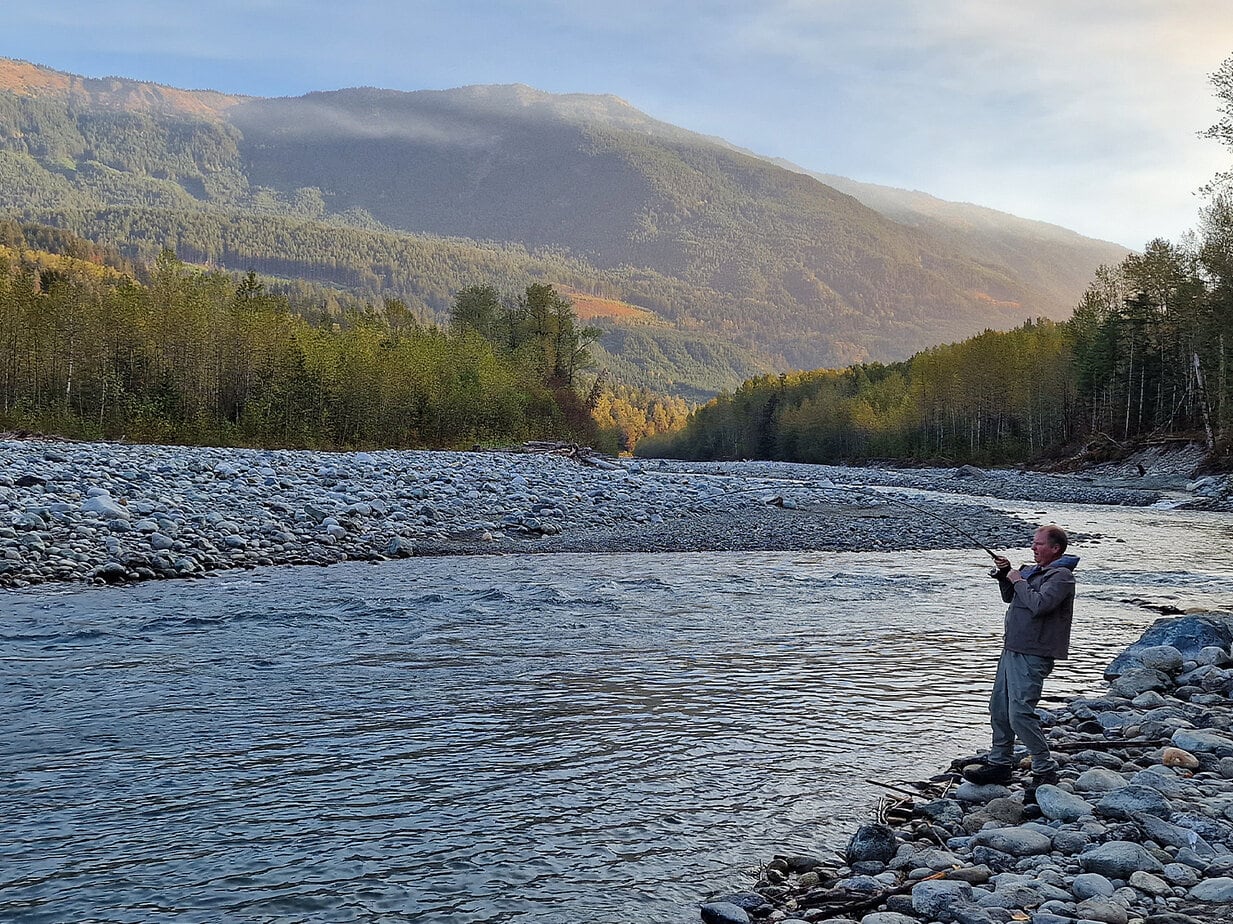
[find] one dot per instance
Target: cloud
(1065, 101)
(1042, 93)
(1032, 66)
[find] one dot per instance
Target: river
(541, 738)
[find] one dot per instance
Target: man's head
(1048, 544)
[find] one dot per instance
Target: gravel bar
(116, 513)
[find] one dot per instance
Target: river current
(566, 738)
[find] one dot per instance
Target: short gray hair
(1055, 536)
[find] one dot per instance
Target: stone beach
(1138, 829)
(105, 512)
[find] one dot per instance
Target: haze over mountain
(746, 265)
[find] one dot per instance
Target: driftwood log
(1101, 744)
(584, 455)
(841, 902)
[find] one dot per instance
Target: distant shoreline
(118, 513)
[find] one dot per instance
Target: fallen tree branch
(1103, 744)
(584, 455)
(898, 789)
(839, 902)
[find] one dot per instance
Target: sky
(1084, 113)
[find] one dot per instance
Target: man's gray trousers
(1012, 709)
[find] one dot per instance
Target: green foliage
(479, 309)
(1151, 343)
(1146, 354)
(316, 262)
(626, 416)
(201, 357)
(694, 365)
(539, 328)
(994, 397)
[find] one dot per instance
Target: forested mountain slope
(1056, 259)
(388, 192)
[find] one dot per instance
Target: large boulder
(1164, 658)
(872, 842)
(1100, 779)
(1090, 885)
(1213, 890)
(1188, 634)
(105, 506)
(1178, 757)
(943, 811)
(1104, 910)
(934, 858)
(936, 898)
(1163, 780)
(1130, 801)
(1020, 841)
(753, 902)
(1171, 835)
(1202, 741)
(1059, 805)
(1118, 859)
(724, 913)
(1146, 882)
(802, 862)
(1139, 680)
(1213, 829)
(980, 792)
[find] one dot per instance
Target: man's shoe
(1035, 781)
(960, 762)
(983, 774)
(1044, 778)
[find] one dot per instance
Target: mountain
(1042, 254)
(396, 193)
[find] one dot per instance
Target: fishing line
(939, 518)
(889, 498)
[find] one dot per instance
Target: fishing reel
(1002, 572)
(996, 572)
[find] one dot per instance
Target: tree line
(331, 266)
(193, 356)
(1146, 355)
(540, 328)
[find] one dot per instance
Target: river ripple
(547, 738)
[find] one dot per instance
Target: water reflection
(565, 738)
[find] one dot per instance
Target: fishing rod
(929, 513)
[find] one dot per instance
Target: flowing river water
(540, 738)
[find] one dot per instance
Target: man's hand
(1002, 564)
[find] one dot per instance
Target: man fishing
(1037, 631)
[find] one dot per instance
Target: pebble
(115, 513)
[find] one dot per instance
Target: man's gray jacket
(1041, 608)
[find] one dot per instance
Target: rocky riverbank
(115, 513)
(1139, 829)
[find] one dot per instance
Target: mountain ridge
(121, 92)
(705, 235)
